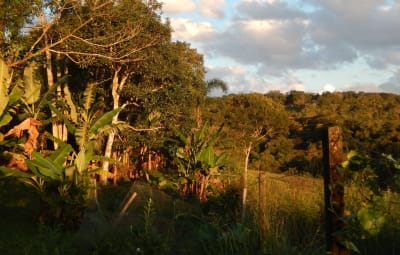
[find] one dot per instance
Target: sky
(285, 45)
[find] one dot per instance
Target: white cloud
(177, 6)
(288, 83)
(328, 88)
(277, 43)
(359, 28)
(278, 37)
(364, 87)
(189, 30)
(268, 10)
(212, 8)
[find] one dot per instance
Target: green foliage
(196, 158)
(7, 100)
(369, 216)
(61, 187)
(32, 84)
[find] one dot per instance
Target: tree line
(289, 127)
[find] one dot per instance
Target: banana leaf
(45, 167)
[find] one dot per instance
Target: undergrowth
(157, 223)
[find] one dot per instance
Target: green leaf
(45, 167)
(104, 173)
(4, 99)
(15, 95)
(4, 77)
(68, 98)
(70, 127)
(89, 96)
(83, 159)
(14, 173)
(371, 219)
(80, 161)
(5, 119)
(180, 153)
(104, 120)
(32, 84)
(350, 246)
(44, 99)
(60, 155)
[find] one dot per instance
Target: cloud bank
(274, 42)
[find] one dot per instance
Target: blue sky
(309, 45)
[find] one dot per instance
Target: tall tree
(164, 93)
(249, 120)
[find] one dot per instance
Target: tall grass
(157, 223)
(294, 214)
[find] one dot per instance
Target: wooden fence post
(334, 190)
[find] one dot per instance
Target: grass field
(158, 223)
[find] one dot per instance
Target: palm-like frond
(88, 97)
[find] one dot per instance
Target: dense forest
(370, 123)
(96, 100)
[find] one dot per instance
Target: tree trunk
(61, 70)
(203, 186)
(50, 83)
(149, 167)
(117, 86)
(59, 130)
(244, 181)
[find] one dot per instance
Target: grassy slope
(294, 224)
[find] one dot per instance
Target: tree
(216, 83)
(119, 39)
(249, 120)
(163, 95)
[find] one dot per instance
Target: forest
(111, 144)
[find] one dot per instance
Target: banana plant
(87, 125)
(197, 160)
(61, 189)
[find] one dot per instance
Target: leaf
(207, 155)
(45, 167)
(80, 161)
(103, 172)
(89, 96)
(104, 120)
(350, 246)
(32, 85)
(44, 99)
(68, 124)
(5, 119)
(182, 137)
(83, 159)
(180, 153)
(4, 99)
(371, 219)
(81, 134)
(4, 77)
(15, 173)
(60, 155)
(68, 98)
(15, 95)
